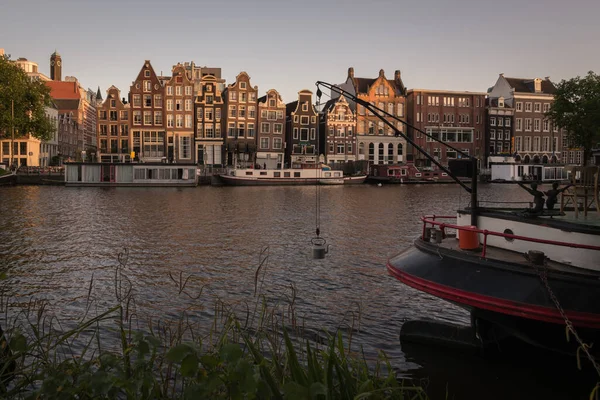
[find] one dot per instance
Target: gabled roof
(262, 99)
(363, 85)
(98, 94)
(63, 90)
(528, 85)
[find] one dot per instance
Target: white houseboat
(130, 174)
(290, 176)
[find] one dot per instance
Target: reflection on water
(53, 239)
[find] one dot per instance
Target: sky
(436, 44)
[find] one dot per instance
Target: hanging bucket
(319, 248)
(468, 240)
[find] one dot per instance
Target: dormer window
(305, 106)
(147, 73)
(501, 102)
(538, 85)
(242, 85)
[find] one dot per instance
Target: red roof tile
(63, 90)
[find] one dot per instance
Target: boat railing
(433, 220)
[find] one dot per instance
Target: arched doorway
(526, 159)
(380, 154)
(390, 156)
(371, 152)
(536, 159)
(518, 158)
(400, 152)
(545, 159)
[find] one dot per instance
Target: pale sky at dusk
(451, 45)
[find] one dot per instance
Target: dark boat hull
(499, 287)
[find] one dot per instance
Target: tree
(30, 99)
(576, 109)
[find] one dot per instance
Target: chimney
(124, 101)
(351, 72)
(381, 73)
(502, 74)
(547, 78)
(397, 75)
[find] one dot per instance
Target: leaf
(295, 391)
(189, 366)
(231, 352)
(18, 343)
(209, 361)
(317, 389)
(178, 353)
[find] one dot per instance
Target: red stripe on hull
(495, 304)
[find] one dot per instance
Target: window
(124, 130)
(313, 134)
(507, 122)
(251, 130)
(103, 131)
(178, 90)
(305, 106)
(519, 106)
(546, 107)
(264, 127)
(304, 134)
(169, 90)
(188, 105)
(340, 148)
(296, 133)
(208, 114)
(231, 129)
(113, 116)
(124, 114)
(400, 110)
(277, 143)
(232, 111)
(242, 113)
(537, 107)
(137, 117)
(188, 121)
(264, 143)
(188, 90)
(147, 100)
(233, 96)
(147, 86)
(209, 131)
(147, 118)
(493, 121)
(527, 124)
(242, 85)
(536, 125)
(217, 114)
(169, 105)
(500, 121)
(170, 121)
(137, 100)
(158, 118)
(304, 120)
(251, 112)
(179, 121)
(493, 134)
(278, 128)
(313, 119)
(433, 100)
(178, 105)
(519, 126)
(185, 147)
(147, 73)
(527, 107)
(546, 125)
(243, 97)
(253, 96)
(272, 103)
(241, 129)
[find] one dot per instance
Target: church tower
(55, 66)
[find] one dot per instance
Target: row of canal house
(192, 116)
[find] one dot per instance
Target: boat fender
(319, 248)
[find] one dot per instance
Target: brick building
(376, 141)
(240, 106)
(113, 128)
(270, 135)
(338, 124)
(179, 110)
(210, 119)
(303, 144)
(148, 137)
(456, 118)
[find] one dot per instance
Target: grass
(260, 356)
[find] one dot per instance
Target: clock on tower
(55, 66)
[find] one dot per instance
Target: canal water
(54, 239)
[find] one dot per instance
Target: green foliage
(30, 99)
(576, 108)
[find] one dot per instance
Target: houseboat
(406, 174)
(306, 174)
(130, 174)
